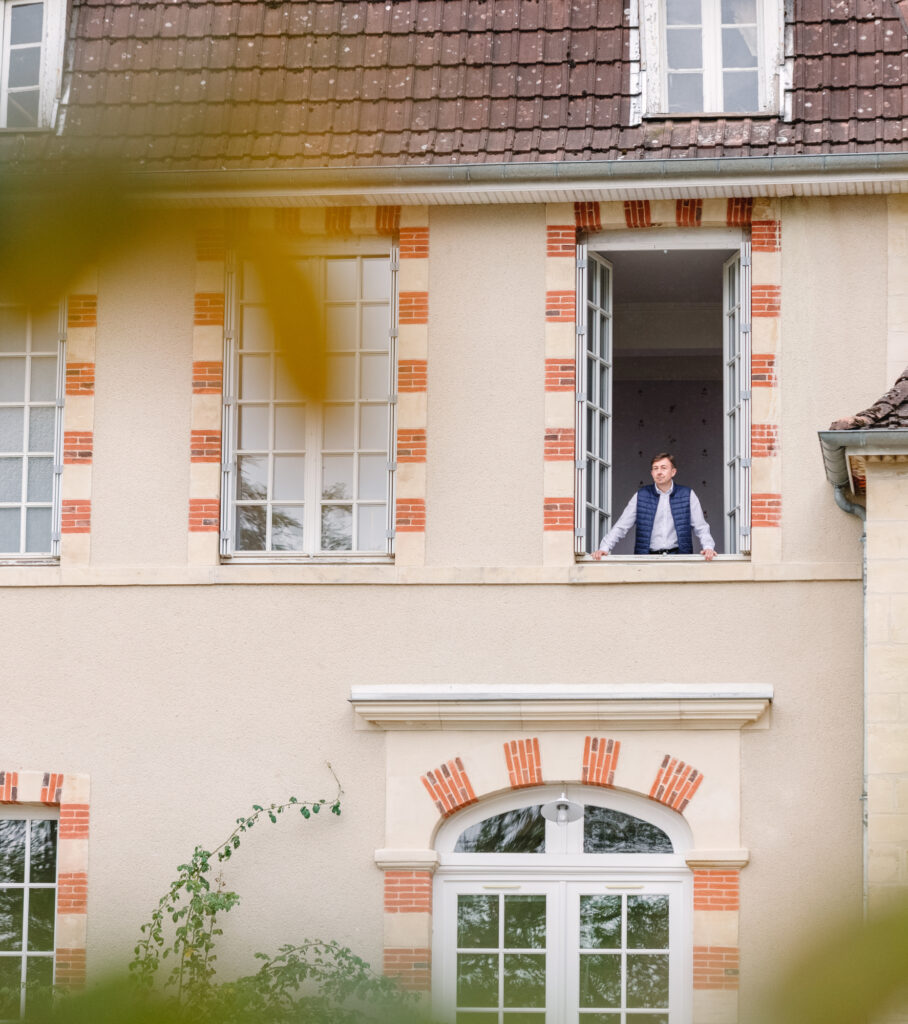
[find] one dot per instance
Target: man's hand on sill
(708, 554)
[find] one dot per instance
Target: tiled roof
(266, 83)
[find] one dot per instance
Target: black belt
(663, 551)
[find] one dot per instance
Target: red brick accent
(413, 308)
(560, 375)
(766, 510)
(411, 968)
(412, 375)
(764, 440)
(51, 787)
(763, 370)
(449, 787)
(766, 235)
(637, 213)
(688, 213)
(676, 782)
(82, 311)
(408, 892)
(587, 216)
(69, 968)
(77, 447)
(560, 306)
(559, 443)
(716, 890)
(9, 787)
(524, 764)
(716, 967)
(205, 446)
(387, 220)
(209, 309)
(207, 377)
(558, 514)
(72, 892)
(765, 300)
(738, 212)
(414, 243)
(337, 220)
(410, 515)
(210, 243)
(204, 514)
(561, 240)
(75, 516)
(600, 755)
(80, 378)
(73, 821)
(411, 445)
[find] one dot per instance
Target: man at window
(665, 513)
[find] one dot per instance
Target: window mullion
(712, 56)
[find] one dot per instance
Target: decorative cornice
(717, 860)
(406, 860)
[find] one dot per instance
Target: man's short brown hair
(659, 456)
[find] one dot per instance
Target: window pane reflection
(609, 831)
(518, 831)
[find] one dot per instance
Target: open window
(664, 365)
(31, 61)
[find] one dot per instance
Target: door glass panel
(524, 922)
(477, 979)
(518, 831)
(600, 922)
(43, 851)
(524, 976)
(600, 980)
(477, 922)
(647, 922)
(647, 981)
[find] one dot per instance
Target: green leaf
(305, 812)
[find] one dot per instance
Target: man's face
(662, 471)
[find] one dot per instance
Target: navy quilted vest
(678, 502)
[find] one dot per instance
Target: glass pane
(10, 981)
(12, 380)
(340, 327)
(600, 980)
(477, 922)
(12, 850)
(600, 922)
(341, 381)
(376, 278)
(372, 526)
(477, 979)
(604, 1018)
(373, 476)
(685, 93)
(253, 428)
(739, 47)
(286, 388)
(257, 334)
(337, 528)
(289, 477)
(37, 530)
(339, 427)
(682, 12)
(524, 923)
(250, 527)
(39, 979)
(22, 109)
(375, 327)
(290, 427)
(24, 66)
(11, 903)
(287, 528)
(11, 430)
(648, 1018)
(255, 377)
(252, 285)
(524, 979)
(41, 429)
(609, 831)
(478, 1017)
(337, 476)
(739, 12)
(41, 919)
(373, 427)
(647, 922)
(45, 330)
(741, 90)
(340, 280)
(252, 477)
(25, 24)
(40, 479)
(523, 1016)
(43, 851)
(12, 331)
(519, 831)
(10, 480)
(44, 379)
(10, 524)
(374, 383)
(647, 980)
(685, 48)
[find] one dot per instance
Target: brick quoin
(408, 892)
(387, 220)
(560, 306)
(765, 300)
(414, 243)
(69, 968)
(560, 375)
(411, 968)
(764, 440)
(588, 216)
(524, 763)
(412, 375)
(637, 213)
(77, 447)
(738, 212)
(449, 787)
(600, 756)
(205, 446)
(411, 445)
(766, 236)
(716, 967)
(9, 787)
(337, 220)
(410, 515)
(561, 240)
(72, 892)
(763, 371)
(558, 514)
(75, 516)
(80, 378)
(688, 213)
(413, 308)
(716, 890)
(766, 510)
(204, 515)
(207, 377)
(559, 443)
(73, 821)
(82, 311)
(51, 787)
(210, 244)
(209, 309)
(676, 783)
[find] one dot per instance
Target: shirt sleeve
(698, 522)
(627, 520)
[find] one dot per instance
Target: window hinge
(59, 403)
(56, 536)
(58, 469)
(745, 261)
(581, 330)
(389, 534)
(391, 466)
(745, 328)
(580, 396)
(229, 401)
(582, 263)
(229, 336)
(580, 532)
(745, 394)
(395, 264)
(393, 333)
(225, 535)
(228, 467)
(392, 399)
(745, 531)
(580, 464)
(745, 463)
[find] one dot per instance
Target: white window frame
(649, 15)
(737, 462)
(366, 247)
(51, 73)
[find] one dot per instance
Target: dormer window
(31, 57)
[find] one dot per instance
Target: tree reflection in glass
(477, 922)
(524, 922)
(12, 851)
(647, 980)
(519, 831)
(600, 980)
(524, 979)
(600, 922)
(647, 922)
(609, 831)
(477, 979)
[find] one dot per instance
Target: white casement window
(28, 899)
(31, 407)
(663, 358)
(304, 480)
(31, 61)
(582, 922)
(711, 56)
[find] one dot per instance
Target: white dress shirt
(663, 535)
